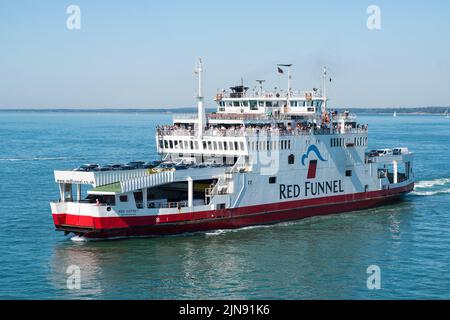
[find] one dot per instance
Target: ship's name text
(290, 191)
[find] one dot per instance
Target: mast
(260, 86)
(200, 106)
(324, 76)
(324, 89)
(288, 95)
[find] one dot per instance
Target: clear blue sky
(142, 53)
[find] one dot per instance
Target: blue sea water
(317, 258)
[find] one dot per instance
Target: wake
(38, 159)
(432, 187)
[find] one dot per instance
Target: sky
(142, 54)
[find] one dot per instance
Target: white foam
(78, 239)
(430, 193)
(432, 183)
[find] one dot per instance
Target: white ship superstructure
(261, 158)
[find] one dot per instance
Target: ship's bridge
(240, 101)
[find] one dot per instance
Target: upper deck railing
(254, 132)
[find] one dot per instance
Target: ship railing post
(78, 192)
(144, 198)
(395, 165)
(190, 192)
(62, 188)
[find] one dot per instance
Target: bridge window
(317, 103)
(123, 198)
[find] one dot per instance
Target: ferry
(263, 157)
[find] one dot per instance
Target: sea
(399, 251)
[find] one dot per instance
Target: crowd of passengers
(275, 129)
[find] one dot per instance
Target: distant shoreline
(399, 111)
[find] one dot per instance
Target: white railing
(253, 132)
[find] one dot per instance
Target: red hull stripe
(226, 218)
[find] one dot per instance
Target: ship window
(225, 145)
(204, 145)
(171, 144)
(268, 103)
(242, 145)
(253, 105)
(291, 159)
(230, 145)
(236, 104)
(289, 144)
(220, 146)
(215, 145)
(196, 145)
(123, 198)
(166, 144)
(261, 103)
(229, 103)
(348, 173)
(294, 103)
(275, 104)
(186, 145)
(236, 147)
(192, 144)
(272, 180)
